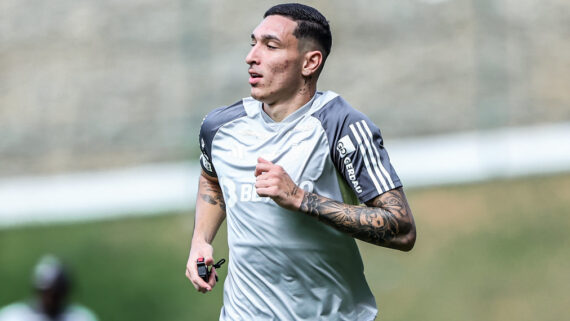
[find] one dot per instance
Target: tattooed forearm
(212, 194)
(383, 222)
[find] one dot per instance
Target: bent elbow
(408, 240)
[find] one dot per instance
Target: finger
(265, 182)
(270, 191)
(189, 277)
(192, 280)
(212, 280)
(263, 160)
(267, 188)
(197, 281)
(261, 192)
(262, 168)
(209, 260)
(202, 285)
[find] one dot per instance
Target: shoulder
(15, 311)
(222, 115)
(338, 112)
(80, 313)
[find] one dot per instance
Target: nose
(252, 57)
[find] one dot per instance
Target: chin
(255, 94)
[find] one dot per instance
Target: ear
(312, 62)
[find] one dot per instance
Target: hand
(206, 251)
(273, 181)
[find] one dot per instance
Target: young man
(287, 167)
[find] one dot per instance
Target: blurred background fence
(98, 84)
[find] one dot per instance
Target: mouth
(254, 77)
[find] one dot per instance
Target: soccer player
(288, 167)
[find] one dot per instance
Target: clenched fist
(273, 181)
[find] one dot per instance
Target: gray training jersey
(286, 265)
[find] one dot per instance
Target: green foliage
(493, 251)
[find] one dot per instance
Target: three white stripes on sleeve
(371, 156)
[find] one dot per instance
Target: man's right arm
(210, 213)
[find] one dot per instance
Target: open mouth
(254, 78)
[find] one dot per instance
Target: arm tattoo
(212, 194)
(379, 224)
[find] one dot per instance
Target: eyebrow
(266, 37)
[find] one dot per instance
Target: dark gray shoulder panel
(357, 149)
(210, 125)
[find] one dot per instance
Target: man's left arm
(386, 220)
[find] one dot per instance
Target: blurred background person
(52, 285)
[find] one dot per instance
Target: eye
(271, 46)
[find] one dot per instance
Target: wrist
(299, 199)
(200, 240)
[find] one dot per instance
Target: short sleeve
(205, 140)
(357, 150)
(210, 126)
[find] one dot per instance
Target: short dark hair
(310, 23)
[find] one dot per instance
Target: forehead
(278, 26)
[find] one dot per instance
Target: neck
(279, 110)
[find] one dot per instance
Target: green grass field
(491, 251)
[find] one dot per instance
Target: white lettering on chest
(247, 192)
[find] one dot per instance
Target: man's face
(275, 61)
